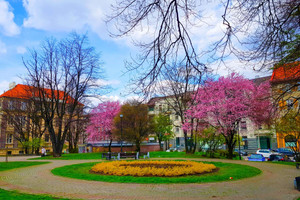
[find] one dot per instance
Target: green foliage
(213, 139)
(291, 49)
(162, 126)
(18, 164)
(226, 170)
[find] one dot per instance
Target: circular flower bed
(152, 168)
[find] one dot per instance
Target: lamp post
(237, 129)
(121, 116)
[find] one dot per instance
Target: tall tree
(102, 121)
(162, 128)
(61, 74)
(225, 102)
(135, 123)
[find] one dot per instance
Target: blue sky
(25, 23)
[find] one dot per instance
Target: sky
(26, 23)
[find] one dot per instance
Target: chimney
(12, 85)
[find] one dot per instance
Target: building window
(23, 105)
(23, 120)
(176, 117)
(10, 120)
(47, 137)
(10, 105)
(245, 142)
(9, 138)
(177, 130)
(151, 108)
(243, 125)
(290, 141)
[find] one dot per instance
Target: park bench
(143, 155)
(126, 155)
(110, 155)
(118, 156)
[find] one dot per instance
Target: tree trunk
(109, 146)
(138, 145)
(160, 147)
(186, 142)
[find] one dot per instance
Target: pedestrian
(43, 152)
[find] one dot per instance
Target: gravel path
(276, 182)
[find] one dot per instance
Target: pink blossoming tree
(223, 103)
(102, 122)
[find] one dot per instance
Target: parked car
(172, 149)
(265, 152)
(276, 157)
(256, 157)
(242, 153)
(285, 151)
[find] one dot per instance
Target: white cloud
(67, 15)
(3, 49)
(7, 24)
(21, 50)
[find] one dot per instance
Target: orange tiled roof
(286, 72)
(26, 92)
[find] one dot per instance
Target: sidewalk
(276, 182)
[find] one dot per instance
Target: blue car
(256, 157)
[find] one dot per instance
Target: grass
(18, 164)
(15, 195)
(226, 170)
(154, 154)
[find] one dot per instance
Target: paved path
(276, 182)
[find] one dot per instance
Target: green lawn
(72, 156)
(154, 154)
(12, 165)
(226, 170)
(14, 195)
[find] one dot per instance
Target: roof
(260, 80)
(26, 92)
(286, 72)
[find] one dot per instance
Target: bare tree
(260, 33)
(177, 86)
(61, 75)
(167, 23)
(22, 115)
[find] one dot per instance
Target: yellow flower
(152, 168)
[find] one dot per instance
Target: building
(285, 82)
(23, 130)
(163, 105)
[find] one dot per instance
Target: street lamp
(121, 116)
(238, 132)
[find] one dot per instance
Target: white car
(265, 152)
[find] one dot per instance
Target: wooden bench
(126, 155)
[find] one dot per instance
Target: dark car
(285, 151)
(276, 157)
(242, 153)
(256, 157)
